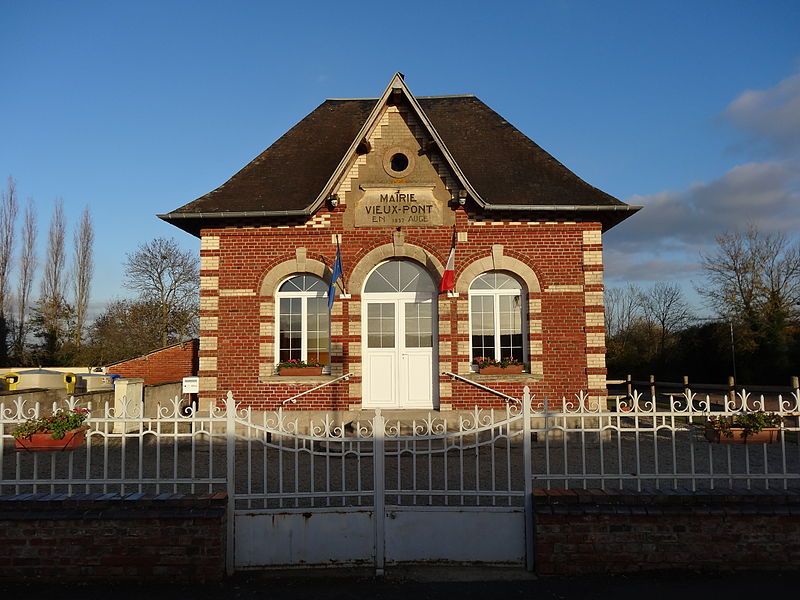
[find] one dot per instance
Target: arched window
(400, 276)
(303, 319)
(496, 301)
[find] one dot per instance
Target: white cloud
(622, 267)
(767, 194)
(663, 241)
(771, 117)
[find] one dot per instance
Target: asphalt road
(434, 583)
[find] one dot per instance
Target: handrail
(293, 399)
(483, 387)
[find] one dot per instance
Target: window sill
(515, 377)
(295, 379)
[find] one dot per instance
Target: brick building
(393, 182)
(165, 365)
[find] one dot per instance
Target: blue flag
(335, 274)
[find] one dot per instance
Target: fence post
(230, 437)
(630, 386)
(379, 474)
(686, 386)
(527, 461)
(795, 385)
(128, 398)
(653, 387)
(731, 391)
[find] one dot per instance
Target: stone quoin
(392, 183)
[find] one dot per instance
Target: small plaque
(406, 206)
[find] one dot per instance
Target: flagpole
(448, 282)
(336, 273)
(339, 254)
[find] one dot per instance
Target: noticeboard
(191, 385)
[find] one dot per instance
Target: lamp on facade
(333, 200)
(462, 197)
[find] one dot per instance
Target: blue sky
(135, 108)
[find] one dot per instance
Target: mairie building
(396, 185)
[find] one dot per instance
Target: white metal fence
(125, 451)
(659, 442)
(630, 443)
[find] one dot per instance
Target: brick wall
(592, 531)
(95, 537)
(162, 366)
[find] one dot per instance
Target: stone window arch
(387, 252)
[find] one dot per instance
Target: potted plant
(490, 366)
(757, 427)
(63, 430)
(294, 367)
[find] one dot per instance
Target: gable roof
(500, 168)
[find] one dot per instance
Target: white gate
(382, 491)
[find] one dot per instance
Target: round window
(398, 162)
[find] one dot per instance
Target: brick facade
(167, 365)
(565, 326)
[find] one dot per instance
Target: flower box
(44, 442)
(299, 371)
(768, 435)
(497, 370)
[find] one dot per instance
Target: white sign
(191, 385)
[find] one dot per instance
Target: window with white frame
(303, 320)
(496, 301)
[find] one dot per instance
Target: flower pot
(768, 435)
(44, 442)
(498, 370)
(299, 371)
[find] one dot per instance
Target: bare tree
(8, 218)
(753, 280)
(52, 303)
(27, 268)
(665, 312)
(622, 308)
(83, 270)
(753, 274)
(164, 274)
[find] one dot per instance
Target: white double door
(399, 350)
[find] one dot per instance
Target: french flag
(449, 277)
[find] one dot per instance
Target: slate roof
(508, 170)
